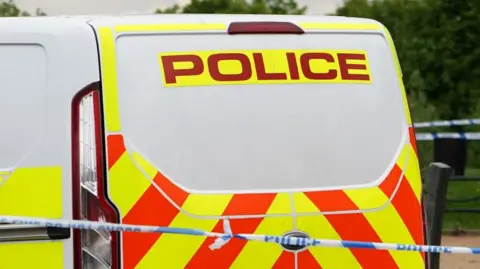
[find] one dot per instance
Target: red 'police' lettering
(345, 67)
(298, 63)
(292, 66)
(214, 68)
(262, 73)
(171, 73)
(307, 71)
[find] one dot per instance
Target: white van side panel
(44, 63)
(20, 103)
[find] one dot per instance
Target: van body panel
(199, 150)
(285, 138)
(45, 61)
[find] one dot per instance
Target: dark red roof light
(267, 27)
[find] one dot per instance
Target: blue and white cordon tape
(223, 238)
(433, 136)
(447, 123)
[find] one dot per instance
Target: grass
(463, 190)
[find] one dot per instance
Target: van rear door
(303, 131)
(45, 62)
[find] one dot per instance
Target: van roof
(192, 18)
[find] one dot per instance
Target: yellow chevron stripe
(175, 251)
(22, 255)
(389, 227)
(318, 227)
(207, 199)
(371, 204)
(148, 168)
(126, 184)
(411, 169)
(109, 79)
(4, 175)
(32, 192)
(260, 255)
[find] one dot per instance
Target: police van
(284, 125)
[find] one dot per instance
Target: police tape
(433, 136)
(223, 238)
(447, 123)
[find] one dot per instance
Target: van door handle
(14, 232)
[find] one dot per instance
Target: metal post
(435, 187)
(452, 152)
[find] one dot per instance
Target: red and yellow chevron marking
(398, 221)
(224, 258)
(305, 259)
(145, 250)
(285, 261)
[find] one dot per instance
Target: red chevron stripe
(391, 182)
(306, 260)
(413, 139)
(405, 202)
(408, 207)
(116, 148)
(352, 227)
(241, 204)
(286, 261)
(173, 192)
(151, 209)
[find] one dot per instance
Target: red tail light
(266, 27)
(92, 249)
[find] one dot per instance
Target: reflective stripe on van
(31, 192)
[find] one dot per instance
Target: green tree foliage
(9, 9)
(238, 7)
(437, 43)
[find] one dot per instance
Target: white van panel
(261, 137)
(22, 108)
(45, 62)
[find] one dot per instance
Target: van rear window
(245, 113)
